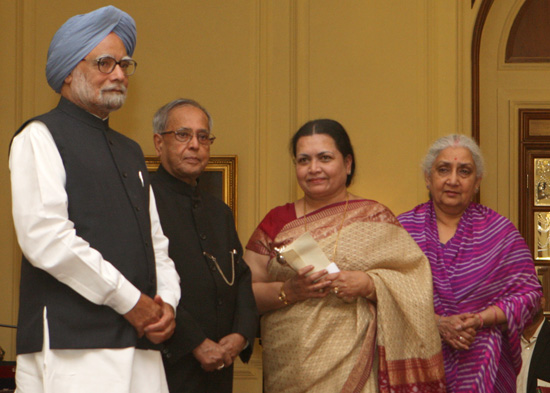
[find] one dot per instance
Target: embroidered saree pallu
(331, 345)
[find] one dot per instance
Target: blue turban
(80, 35)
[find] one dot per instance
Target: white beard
(106, 100)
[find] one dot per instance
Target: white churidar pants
(126, 370)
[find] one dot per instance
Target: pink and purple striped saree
(487, 262)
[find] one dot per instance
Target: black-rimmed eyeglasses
(185, 136)
(107, 64)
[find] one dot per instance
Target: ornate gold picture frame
(219, 178)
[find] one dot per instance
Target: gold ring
(461, 338)
(336, 290)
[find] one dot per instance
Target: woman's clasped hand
(458, 330)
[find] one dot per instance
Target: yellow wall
(9, 116)
(394, 72)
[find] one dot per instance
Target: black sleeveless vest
(109, 206)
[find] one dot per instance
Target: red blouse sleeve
(262, 239)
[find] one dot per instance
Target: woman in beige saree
(369, 327)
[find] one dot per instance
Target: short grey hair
(161, 116)
(454, 140)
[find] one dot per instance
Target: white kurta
(48, 240)
(527, 348)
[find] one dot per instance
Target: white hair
(454, 140)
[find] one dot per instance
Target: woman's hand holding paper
(304, 286)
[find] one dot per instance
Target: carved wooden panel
(534, 182)
(534, 195)
(543, 272)
(529, 39)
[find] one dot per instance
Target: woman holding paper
(358, 318)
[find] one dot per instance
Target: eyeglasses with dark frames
(185, 136)
(107, 64)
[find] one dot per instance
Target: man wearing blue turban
(98, 290)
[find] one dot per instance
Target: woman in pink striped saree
(369, 327)
(485, 285)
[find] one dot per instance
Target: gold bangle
(282, 295)
(371, 294)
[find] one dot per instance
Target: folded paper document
(305, 251)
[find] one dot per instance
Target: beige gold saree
(329, 345)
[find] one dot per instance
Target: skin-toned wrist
(288, 290)
(369, 290)
(481, 321)
(493, 316)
